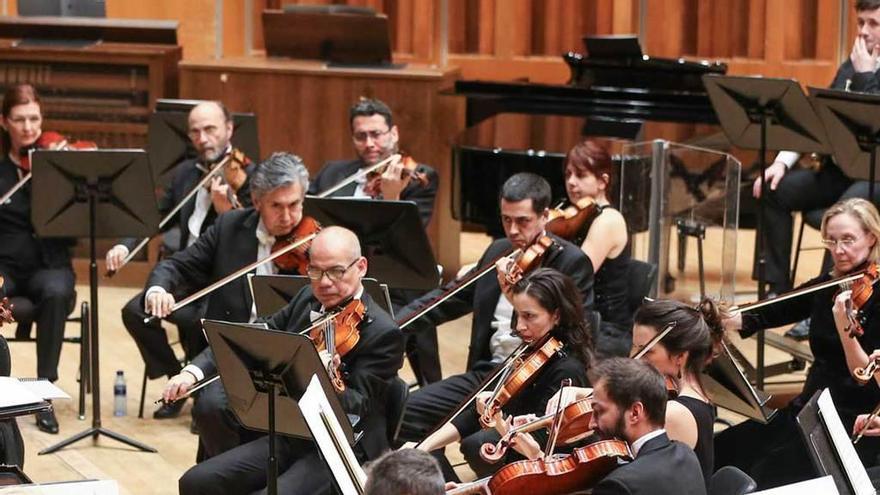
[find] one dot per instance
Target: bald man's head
(335, 259)
(210, 129)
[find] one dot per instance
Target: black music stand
(852, 121)
(271, 293)
(730, 389)
(105, 193)
(829, 446)
(391, 235)
(761, 114)
(169, 142)
(264, 373)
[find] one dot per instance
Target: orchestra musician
(36, 268)
(800, 189)
(210, 131)
(236, 239)
(376, 137)
(589, 174)
(524, 200)
(682, 355)
(546, 304)
(629, 403)
(336, 268)
(773, 454)
(404, 471)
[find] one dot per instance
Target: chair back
(729, 480)
(641, 282)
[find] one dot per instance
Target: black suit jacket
(481, 297)
(661, 467)
(367, 369)
(334, 171)
(186, 176)
(863, 82)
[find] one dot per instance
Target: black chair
(730, 480)
(24, 311)
(396, 396)
(641, 282)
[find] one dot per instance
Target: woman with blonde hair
(774, 453)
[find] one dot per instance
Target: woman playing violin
(681, 355)
(547, 304)
(774, 453)
(36, 268)
(589, 176)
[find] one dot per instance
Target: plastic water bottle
(119, 395)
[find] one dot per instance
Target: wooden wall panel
(196, 17)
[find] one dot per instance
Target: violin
(528, 260)
(518, 377)
(373, 187)
(573, 221)
(297, 259)
(575, 424)
(5, 307)
(864, 375)
(340, 328)
(52, 141)
(235, 175)
(578, 471)
(861, 291)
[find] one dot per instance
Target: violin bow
(363, 172)
(657, 338)
(557, 422)
(167, 218)
(232, 276)
(861, 431)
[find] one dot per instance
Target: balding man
(336, 268)
(210, 130)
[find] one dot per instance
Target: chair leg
(797, 252)
(84, 369)
(143, 395)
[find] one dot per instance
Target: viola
(521, 375)
(373, 187)
(340, 328)
(580, 470)
(574, 425)
(861, 291)
(52, 141)
(572, 221)
(296, 259)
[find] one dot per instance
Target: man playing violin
(37, 268)
(524, 199)
(336, 268)
(236, 239)
(629, 403)
(210, 131)
(375, 138)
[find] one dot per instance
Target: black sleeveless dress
(704, 414)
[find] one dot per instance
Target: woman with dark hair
(683, 354)
(36, 268)
(547, 304)
(589, 175)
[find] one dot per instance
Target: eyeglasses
(335, 273)
(845, 243)
(361, 136)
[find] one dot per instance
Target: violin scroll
(864, 375)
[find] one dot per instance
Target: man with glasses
(210, 129)
(336, 268)
(236, 239)
(375, 137)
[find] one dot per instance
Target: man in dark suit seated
(336, 268)
(525, 199)
(375, 137)
(210, 130)
(629, 403)
(237, 239)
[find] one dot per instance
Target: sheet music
(87, 487)
(42, 387)
(14, 393)
(824, 485)
(852, 465)
(328, 435)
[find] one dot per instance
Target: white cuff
(789, 158)
(122, 246)
(195, 371)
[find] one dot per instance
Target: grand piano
(616, 93)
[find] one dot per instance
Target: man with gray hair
(210, 132)
(405, 472)
(237, 238)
